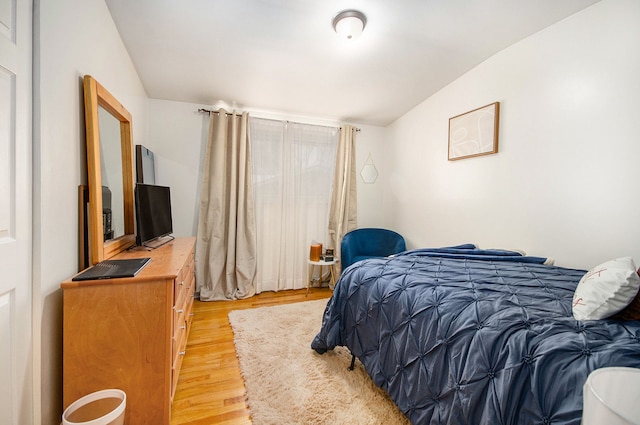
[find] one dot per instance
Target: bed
(460, 335)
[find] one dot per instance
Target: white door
(16, 361)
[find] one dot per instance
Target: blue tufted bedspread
(455, 340)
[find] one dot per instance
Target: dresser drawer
(179, 311)
(179, 344)
(182, 308)
(182, 322)
(186, 276)
(179, 341)
(179, 326)
(179, 285)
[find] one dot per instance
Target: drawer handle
(192, 314)
(183, 326)
(181, 283)
(181, 311)
(182, 353)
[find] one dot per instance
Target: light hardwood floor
(210, 388)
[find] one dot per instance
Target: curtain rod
(209, 111)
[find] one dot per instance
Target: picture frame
(474, 133)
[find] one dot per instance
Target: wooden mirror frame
(95, 95)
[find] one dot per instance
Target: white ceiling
(283, 55)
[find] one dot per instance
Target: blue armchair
(366, 243)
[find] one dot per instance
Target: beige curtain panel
(343, 214)
(226, 238)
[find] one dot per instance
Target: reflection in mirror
(108, 152)
(111, 173)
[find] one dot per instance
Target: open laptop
(112, 269)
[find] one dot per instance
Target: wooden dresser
(131, 333)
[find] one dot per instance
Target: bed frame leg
(353, 362)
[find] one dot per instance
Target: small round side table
(322, 263)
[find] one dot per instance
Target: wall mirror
(109, 173)
(369, 172)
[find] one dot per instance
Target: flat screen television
(153, 215)
(145, 166)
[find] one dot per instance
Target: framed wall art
(474, 133)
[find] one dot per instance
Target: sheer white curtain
(293, 167)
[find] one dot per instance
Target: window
(293, 167)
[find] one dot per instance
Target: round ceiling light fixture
(349, 24)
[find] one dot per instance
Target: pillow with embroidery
(606, 290)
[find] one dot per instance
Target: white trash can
(611, 396)
(104, 407)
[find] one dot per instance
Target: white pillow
(606, 289)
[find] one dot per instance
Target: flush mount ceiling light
(349, 24)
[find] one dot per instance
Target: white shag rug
(289, 383)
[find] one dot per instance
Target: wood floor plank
(210, 387)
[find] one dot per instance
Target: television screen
(145, 166)
(153, 213)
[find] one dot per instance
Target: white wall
(73, 38)
(563, 183)
(372, 141)
(178, 137)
